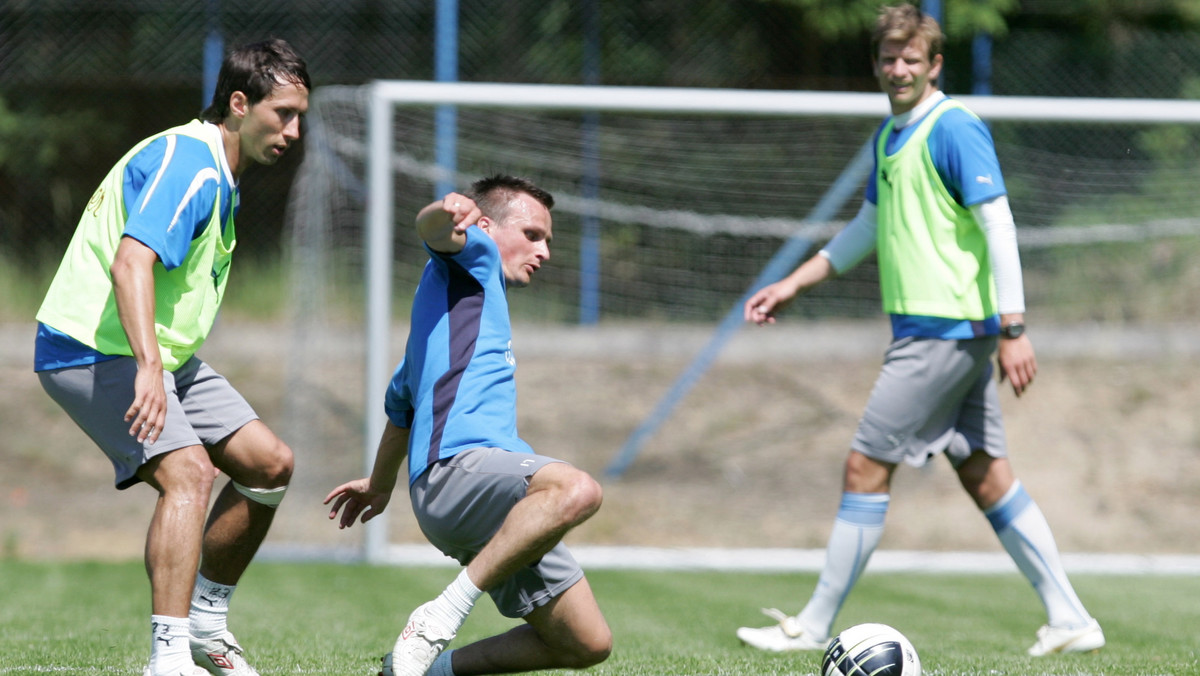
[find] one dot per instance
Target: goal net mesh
(688, 208)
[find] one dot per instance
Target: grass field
(91, 618)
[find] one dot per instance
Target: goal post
(699, 189)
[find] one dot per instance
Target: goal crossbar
(769, 102)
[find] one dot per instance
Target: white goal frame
(386, 95)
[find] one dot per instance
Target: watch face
(1012, 330)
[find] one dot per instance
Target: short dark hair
(493, 194)
(255, 70)
(903, 23)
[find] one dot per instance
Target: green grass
(92, 618)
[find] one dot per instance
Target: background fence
(82, 80)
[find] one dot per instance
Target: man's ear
(935, 68)
(238, 104)
(485, 223)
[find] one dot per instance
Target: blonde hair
(903, 23)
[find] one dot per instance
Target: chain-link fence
(82, 80)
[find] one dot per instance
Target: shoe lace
(775, 614)
(787, 623)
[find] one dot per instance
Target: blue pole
(589, 245)
(781, 264)
(981, 57)
(445, 69)
(934, 9)
(214, 53)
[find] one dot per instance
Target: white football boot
(786, 636)
(221, 656)
(1057, 640)
(194, 671)
(423, 639)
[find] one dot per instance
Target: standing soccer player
(134, 298)
(479, 492)
(937, 215)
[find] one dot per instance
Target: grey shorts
(460, 503)
(933, 396)
(202, 409)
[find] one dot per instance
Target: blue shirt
(964, 156)
(455, 388)
(166, 208)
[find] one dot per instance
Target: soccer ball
(870, 650)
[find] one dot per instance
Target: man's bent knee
(585, 651)
(582, 496)
(182, 471)
(254, 457)
(595, 651)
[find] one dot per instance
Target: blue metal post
(214, 53)
(981, 57)
(446, 116)
(589, 245)
(934, 9)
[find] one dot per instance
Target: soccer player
(478, 491)
(937, 215)
(134, 298)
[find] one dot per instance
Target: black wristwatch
(1013, 330)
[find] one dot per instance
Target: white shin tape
(270, 497)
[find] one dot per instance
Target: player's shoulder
(178, 152)
(955, 114)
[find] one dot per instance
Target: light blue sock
(856, 533)
(1026, 536)
(441, 666)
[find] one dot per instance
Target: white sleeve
(853, 242)
(996, 219)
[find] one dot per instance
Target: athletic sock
(1023, 531)
(457, 600)
(210, 607)
(441, 666)
(170, 651)
(856, 533)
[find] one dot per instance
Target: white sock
(1023, 531)
(170, 650)
(856, 533)
(457, 600)
(441, 666)
(210, 607)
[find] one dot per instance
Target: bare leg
(986, 479)
(253, 456)
(559, 498)
(184, 481)
(567, 633)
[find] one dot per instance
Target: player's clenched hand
(148, 412)
(1017, 362)
(354, 498)
(762, 306)
(462, 209)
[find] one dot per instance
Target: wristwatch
(1013, 330)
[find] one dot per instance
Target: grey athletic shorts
(460, 503)
(202, 409)
(933, 396)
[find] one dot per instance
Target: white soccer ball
(870, 650)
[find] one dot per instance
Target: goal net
(669, 204)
